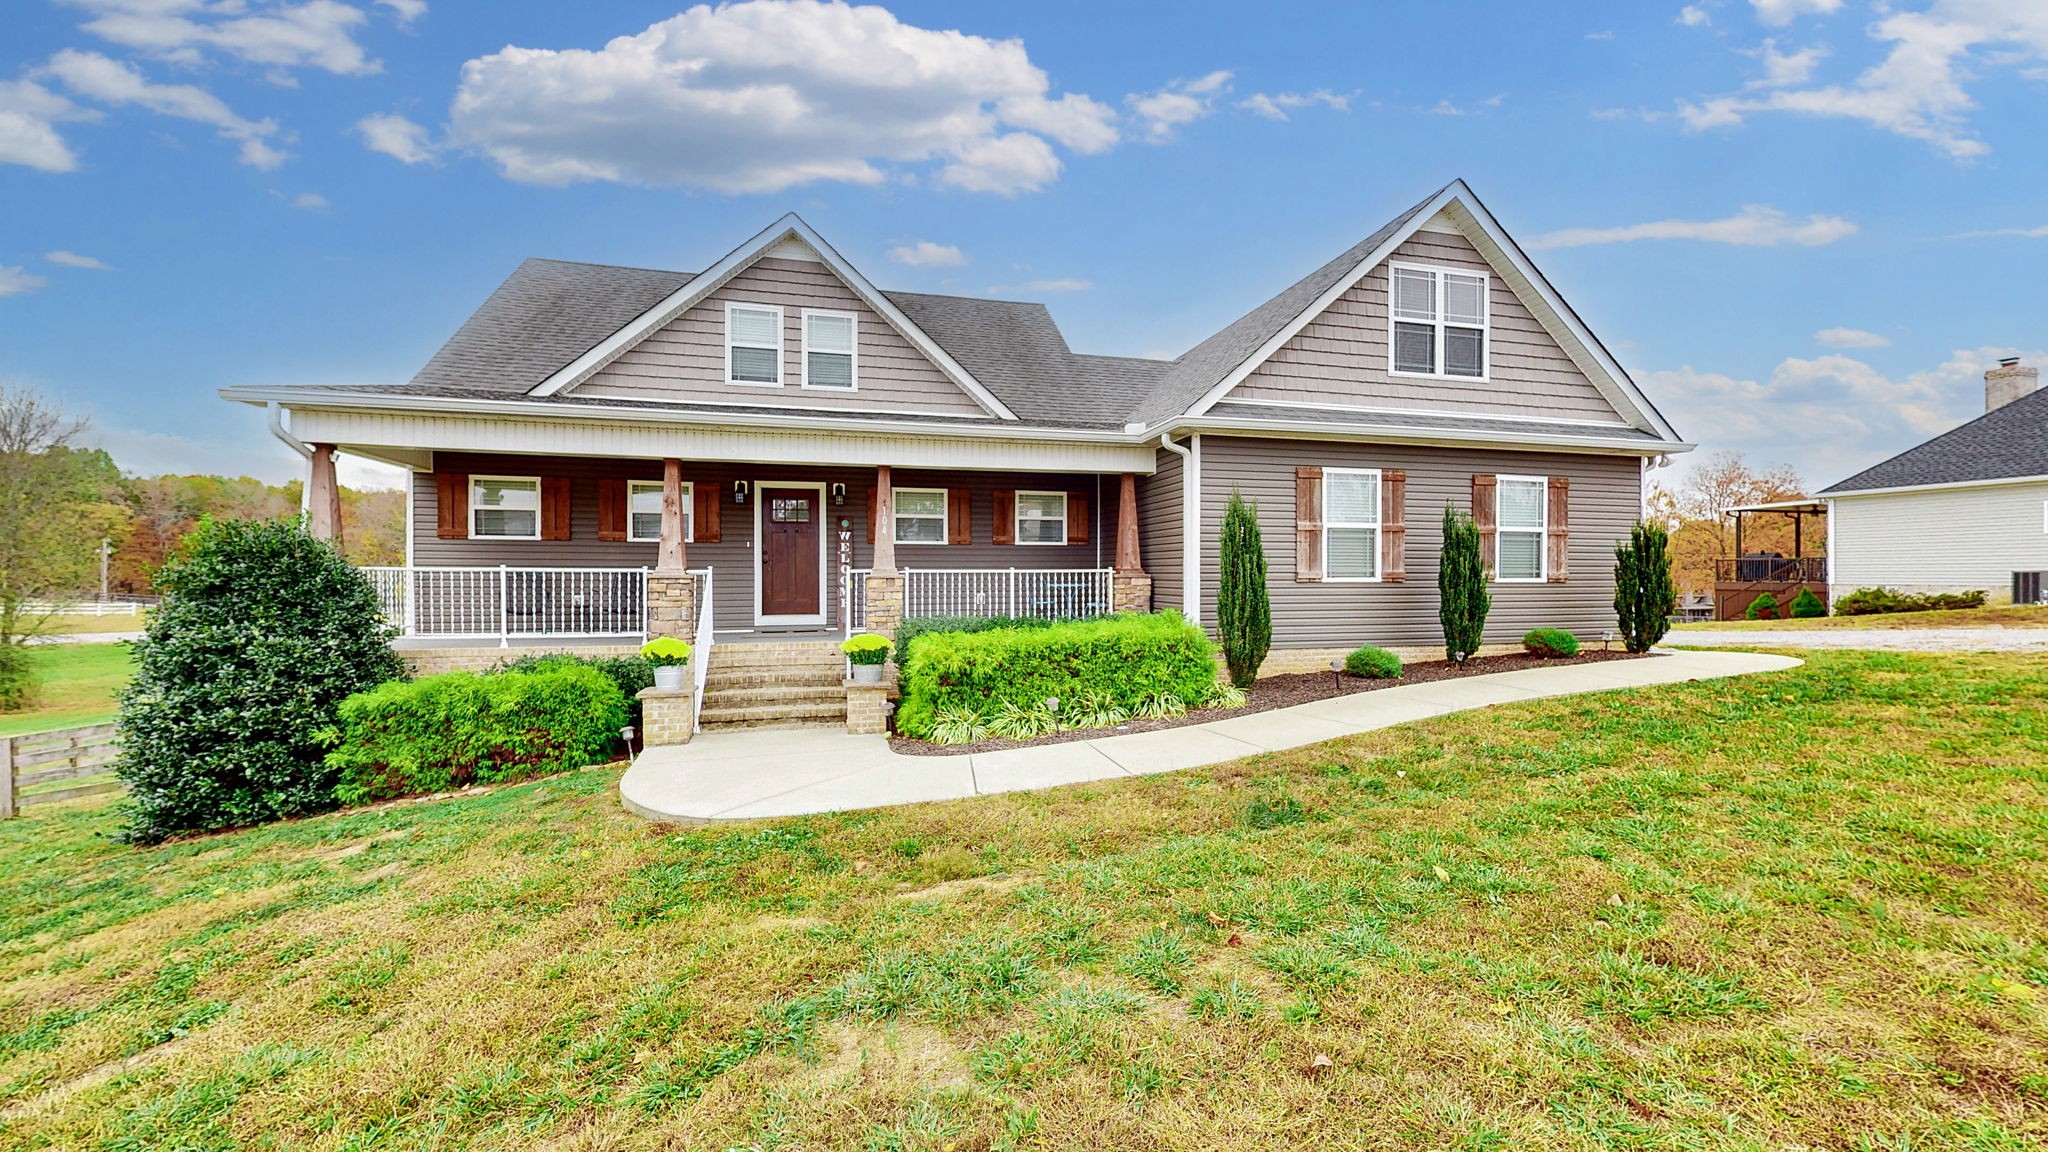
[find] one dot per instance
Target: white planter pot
(867, 673)
(669, 677)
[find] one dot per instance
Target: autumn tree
(1695, 512)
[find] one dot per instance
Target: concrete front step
(721, 696)
(782, 712)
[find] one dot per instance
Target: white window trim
(1439, 324)
(852, 352)
(538, 510)
(945, 517)
(1541, 531)
(781, 336)
(1017, 520)
(1377, 526)
(689, 512)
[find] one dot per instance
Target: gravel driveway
(1890, 639)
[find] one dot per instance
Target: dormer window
(753, 344)
(1437, 318)
(828, 349)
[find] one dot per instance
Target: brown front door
(789, 552)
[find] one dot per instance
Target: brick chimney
(2008, 382)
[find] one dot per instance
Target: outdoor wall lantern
(838, 495)
(739, 491)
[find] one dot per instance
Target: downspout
(278, 430)
(1190, 526)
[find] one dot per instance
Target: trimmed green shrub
(866, 648)
(1550, 642)
(630, 673)
(1807, 606)
(1876, 601)
(1373, 664)
(916, 626)
(1764, 607)
(1244, 611)
(1124, 659)
(17, 678)
(263, 633)
(1643, 594)
(448, 731)
(1462, 598)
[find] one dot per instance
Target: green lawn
(1996, 616)
(1797, 910)
(78, 685)
(76, 624)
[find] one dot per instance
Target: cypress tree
(1643, 594)
(1463, 600)
(1244, 612)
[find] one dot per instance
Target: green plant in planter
(666, 652)
(1550, 642)
(866, 648)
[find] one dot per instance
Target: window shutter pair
(613, 509)
(451, 506)
(1308, 525)
(1557, 517)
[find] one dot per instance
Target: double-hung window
(1438, 320)
(753, 344)
(828, 349)
(920, 515)
(504, 507)
(1041, 517)
(643, 512)
(1522, 505)
(1351, 524)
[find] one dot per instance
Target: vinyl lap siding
(1954, 540)
(1340, 358)
(685, 359)
(1606, 499)
(1159, 529)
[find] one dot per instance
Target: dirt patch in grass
(1276, 692)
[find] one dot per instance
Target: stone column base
(667, 715)
(885, 604)
(671, 603)
(868, 707)
(1130, 592)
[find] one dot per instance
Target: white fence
(504, 602)
(1045, 593)
(89, 608)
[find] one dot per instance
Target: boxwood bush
(1550, 642)
(1373, 663)
(1807, 606)
(1121, 661)
(1764, 607)
(461, 728)
(916, 626)
(1875, 601)
(630, 673)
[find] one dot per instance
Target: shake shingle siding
(1159, 527)
(1605, 501)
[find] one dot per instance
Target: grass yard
(77, 624)
(1998, 616)
(1804, 909)
(79, 683)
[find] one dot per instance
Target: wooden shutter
(1077, 517)
(1394, 526)
(554, 507)
(874, 506)
(959, 516)
(1308, 524)
(704, 506)
(1006, 516)
(1560, 521)
(451, 505)
(611, 510)
(1482, 516)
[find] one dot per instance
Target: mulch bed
(1275, 692)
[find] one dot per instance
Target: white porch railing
(1045, 593)
(505, 602)
(700, 645)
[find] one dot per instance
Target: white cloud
(1043, 287)
(1778, 13)
(74, 260)
(927, 254)
(243, 448)
(1918, 91)
(1830, 416)
(1756, 226)
(1276, 105)
(315, 34)
(107, 81)
(1784, 69)
(2030, 233)
(1181, 102)
(1607, 35)
(1694, 16)
(407, 11)
(310, 201)
(15, 281)
(1851, 338)
(396, 137)
(29, 114)
(764, 95)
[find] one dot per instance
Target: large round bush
(263, 632)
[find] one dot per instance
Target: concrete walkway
(742, 774)
(1990, 639)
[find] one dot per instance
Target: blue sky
(1805, 226)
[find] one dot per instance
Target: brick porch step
(817, 712)
(770, 682)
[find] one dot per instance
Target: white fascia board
(1437, 437)
(714, 277)
(1996, 482)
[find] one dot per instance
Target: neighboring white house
(1966, 510)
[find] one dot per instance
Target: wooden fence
(29, 762)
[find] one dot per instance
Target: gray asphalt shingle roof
(547, 313)
(2004, 443)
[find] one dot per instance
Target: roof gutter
(1408, 434)
(277, 429)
